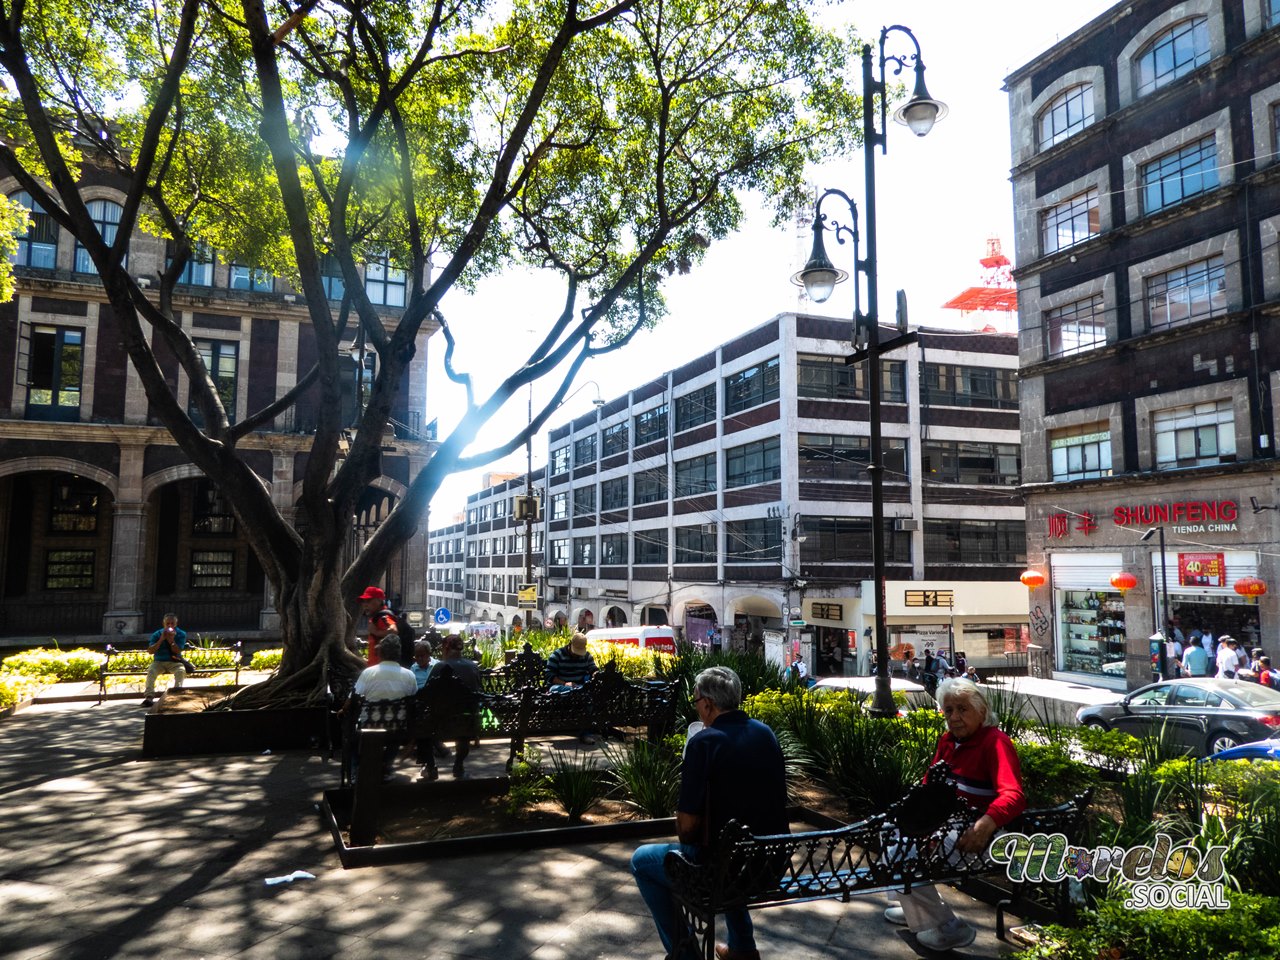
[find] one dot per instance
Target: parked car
(1262, 750)
(1201, 715)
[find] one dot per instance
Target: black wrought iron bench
(105, 669)
(904, 847)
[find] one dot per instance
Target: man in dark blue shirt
(732, 770)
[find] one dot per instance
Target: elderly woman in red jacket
(985, 766)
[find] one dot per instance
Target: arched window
(1067, 114)
(1176, 51)
(106, 217)
(38, 247)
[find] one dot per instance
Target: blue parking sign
(443, 615)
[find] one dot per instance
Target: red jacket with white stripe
(988, 775)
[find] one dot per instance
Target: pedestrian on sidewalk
(166, 648)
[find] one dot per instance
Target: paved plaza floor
(106, 855)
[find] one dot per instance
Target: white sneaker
(954, 933)
(893, 913)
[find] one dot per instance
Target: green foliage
(14, 689)
(1050, 775)
(1011, 706)
(647, 776)
(1250, 930)
(576, 782)
(54, 666)
(756, 673)
(1111, 750)
(267, 659)
(872, 761)
(527, 783)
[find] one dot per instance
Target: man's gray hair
(959, 688)
(389, 648)
(422, 644)
(721, 686)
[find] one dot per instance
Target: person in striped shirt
(569, 668)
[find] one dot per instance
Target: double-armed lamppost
(819, 278)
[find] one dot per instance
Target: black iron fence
(205, 616)
(29, 618)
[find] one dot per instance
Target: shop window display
(1092, 631)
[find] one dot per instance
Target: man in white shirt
(1227, 659)
(386, 680)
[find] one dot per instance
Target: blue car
(1260, 750)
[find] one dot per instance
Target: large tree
(605, 141)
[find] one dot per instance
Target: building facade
(104, 522)
(1147, 199)
(729, 497)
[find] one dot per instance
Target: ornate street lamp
(819, 278)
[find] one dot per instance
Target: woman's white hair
(959, 688)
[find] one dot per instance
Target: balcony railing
(203, 616)
(30, 618)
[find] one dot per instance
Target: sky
(938, 200)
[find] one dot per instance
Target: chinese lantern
(1032, 579)
(1123, 580)
(1251, 587)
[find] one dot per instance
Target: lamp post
(819, 278)
(1164, 601)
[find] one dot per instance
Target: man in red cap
(373, 603)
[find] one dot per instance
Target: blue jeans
(655, 888)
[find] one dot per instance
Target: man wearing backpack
(373, 603)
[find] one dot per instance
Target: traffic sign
(443, 615)
(527, 596)
(798, 623)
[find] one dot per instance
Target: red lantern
(1123, 580)
(1251, 587)
(1032, 579)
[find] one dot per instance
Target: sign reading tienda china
(1182, 516)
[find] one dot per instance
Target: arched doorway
(701, 625)
(615, 617)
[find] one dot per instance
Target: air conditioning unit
(906, 525)
(709, 528)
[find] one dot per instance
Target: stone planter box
(233, 731)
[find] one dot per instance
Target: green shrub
(756, 673)
(1050, 775)
(528, 785)
(575, 782)
(54, 666)
(1250, 930)
(870, 762)
(14, 689)
(647, 775)
(267, 659)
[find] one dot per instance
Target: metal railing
(28, 617)
(231, 613)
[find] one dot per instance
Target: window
(1076, 327)
(73, 505)
(751, 463)
(973, 542)
(1187, 171)
(696, 408)
(955, 461)
(650, 486)
(53, 373)
(1177, 51)
(1066, 114)
(952, 385)
(613, 494)
(383, 283)
(848, 540)
(331, 277)
(559, 506)
(210, 513)
(198, 270)
(830, 378)
(696, 475)
(68, 570)
(1080, 453)
(751, 387)
(650, 546)
(251, 278)
(651, 425)
(758, 540)
(212, 569)
(614, 439)
(560, 553)
(822, 456)
(584, 551)
(1273, 13)
(483, 548)
(1195, 435)
(1069, 222)
(696, 544)
(220, 359)
(471, 581)
(1187, 293)
(38, 247)
(559, 460)
(584, 501)
(499, 508)
(613, 549)
(106, 217)
(584, 450)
